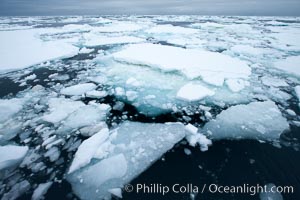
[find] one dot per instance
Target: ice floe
(102, 40)
(212, 67)
(193, 92)
(124, 156)
(41, 190)
(257, 120)
(11, 155)
(60, 108)
(289, 65)
(9, 107)
(29, 49)
(78, 89)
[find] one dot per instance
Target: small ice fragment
(78, 89)
(40, 191)
(116, 192)
(96, 94)
(193, 92)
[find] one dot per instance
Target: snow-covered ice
(212, 67)
(29, 49)
(193, 92)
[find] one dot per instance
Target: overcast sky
(98, 7)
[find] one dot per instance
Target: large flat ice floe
(24, 48)
(123, 155)
(212, 67)
(257, 120)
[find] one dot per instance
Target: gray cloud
(202, 7)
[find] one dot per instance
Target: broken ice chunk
(11, 155)
(191, 128)
(60, 108)
(78, 89)
(53, 154)
(17, 190)
(96, 94)
(116, 192)
(270, 193)
(256, 120)
(30, 77)
(193, 92)
(85, 50)
(40, 191)
(235, 85)
(9, 107)
(87, 150)
(85, 116)
(133, 148)
(275, 82)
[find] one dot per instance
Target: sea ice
(289, 65)
(40, 191)
(272, 81)
(85, 116)
(96, 94)
(78, 89)
(236, 85)
(96, 40)
(11, 155)
(29, 49)
(87, 150)
(171, 29)
(126, 156)
(118, 27)
(60, 108)
(193, 92)
(256, 120)
(212, 67)
(269, 194)
(9, 107)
